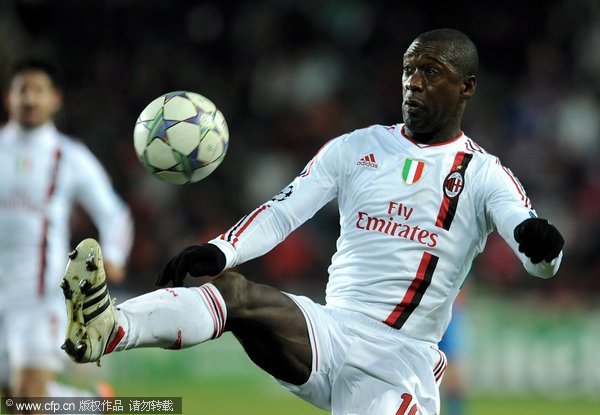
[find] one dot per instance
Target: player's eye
(407, 70)
(430, 70)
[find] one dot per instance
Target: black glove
(539, 239)
(196, 260)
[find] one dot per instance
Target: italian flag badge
(412, 171)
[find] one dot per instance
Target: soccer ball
(181, 137)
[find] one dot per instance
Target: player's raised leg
(268, 324)
(170, 318)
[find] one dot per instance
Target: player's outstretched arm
(196, 260)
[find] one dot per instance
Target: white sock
(171, 318)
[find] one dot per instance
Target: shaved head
(458, 48)
(439, 76)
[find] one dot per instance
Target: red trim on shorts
(441, 374)
(440, 367)
(439, 363)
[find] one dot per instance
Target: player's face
(32, 99)
(431, 91)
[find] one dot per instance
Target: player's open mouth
(413, 103)
(413, 106)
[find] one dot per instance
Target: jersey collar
(420, 145)
(39, 135)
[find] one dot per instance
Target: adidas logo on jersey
(368, 160)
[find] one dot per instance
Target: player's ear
(468, 86)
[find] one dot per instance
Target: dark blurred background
(290, 75)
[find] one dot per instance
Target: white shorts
(362, 366)
(30, 337)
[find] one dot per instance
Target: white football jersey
(412, 219)
(42, 174)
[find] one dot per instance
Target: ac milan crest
(453, 184)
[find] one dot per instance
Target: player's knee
(234, 289)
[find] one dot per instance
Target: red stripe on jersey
(445, 207)
(517, 184)
(415, 291)
(46, 224)
(248, 222)
(43, 259)
(54, 174)
(449, 204)
(308, 169)
(233, 229)
(443, 212)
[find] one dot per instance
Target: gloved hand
(197, 260)
(538, 239)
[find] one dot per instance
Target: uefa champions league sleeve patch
(284, 194)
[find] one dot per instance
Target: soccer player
(416, 202)
(43, 173)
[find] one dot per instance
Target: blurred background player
(43, 174)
